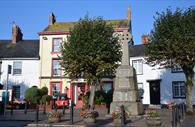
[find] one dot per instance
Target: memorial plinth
(125, 84)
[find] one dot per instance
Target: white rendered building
(159, 85)
(23, 58)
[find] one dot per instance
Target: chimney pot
(145, 39)
(16, 34)
(52, 19)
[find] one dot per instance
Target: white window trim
(14, 68)
(179, 86)
(136, 65)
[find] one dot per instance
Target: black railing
(178, 114)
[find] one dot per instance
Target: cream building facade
(51, 73)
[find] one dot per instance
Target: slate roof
(136, 50)
(65, 26)
(22, 49)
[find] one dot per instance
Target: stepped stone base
(133, 108)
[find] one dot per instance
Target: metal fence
(178, 114)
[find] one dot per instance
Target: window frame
(142, 87)
(14, 68)
(53, 39)
(16, 86)
(52, 63)
(55, 82)
(141, 65)
(173, 86)
(107, 82)
(174, 69)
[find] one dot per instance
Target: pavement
(19, 119)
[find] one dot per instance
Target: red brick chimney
(16, 34)
(145, 39)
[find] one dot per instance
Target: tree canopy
(173, 43)
(90, 50)
(35, 95)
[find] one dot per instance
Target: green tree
(33, 95)
(37, 96)
(91, 50)
(173, 44)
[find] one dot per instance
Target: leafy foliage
(44, 91)
(173, 39)
(46, 99)
(32, 95)
(90, 50)
(173, 43)
(35, 95)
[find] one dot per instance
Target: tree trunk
(37, 113)
(189, 86)
(91, 97)
(189, 74)
(44, 108)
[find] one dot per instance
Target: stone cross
(125, 38)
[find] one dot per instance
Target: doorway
(155, 92)
(78, 92)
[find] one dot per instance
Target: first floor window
(17, 68)
(178, 89)
(140, 90)
(57, 44)
(55, 89)
(16, 91)
(56, 68)
(138, 65)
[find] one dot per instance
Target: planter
(100, 106)
(117, 121)
(153, 122)
(89, 120)
(54, 119)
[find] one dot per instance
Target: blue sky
(32, 15)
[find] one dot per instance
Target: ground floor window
(140, 90)
(107, 86)
(178, 89)
(55, 89)
(16, 91)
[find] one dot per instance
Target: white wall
(166, 76)
(28, 78)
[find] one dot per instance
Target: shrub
(46, 99)
(100, 96)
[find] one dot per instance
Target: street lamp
(9, 68)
